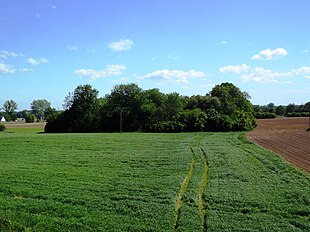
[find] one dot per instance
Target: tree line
(39, 109)
(272, 111)
(129, 108)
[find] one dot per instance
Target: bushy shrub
(193, 120)
(217, 122)
(2, 127)
(243, 121)
(167, 127)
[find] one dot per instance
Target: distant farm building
(2, 119)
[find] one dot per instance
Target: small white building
(2, 119)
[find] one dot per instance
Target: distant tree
(271, 108)
(290, 108)
(38, 107)
(280, 110)
(28, 116)
(9, 107)
(257, 108)
(68, 101)
(307, 107)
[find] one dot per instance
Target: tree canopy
(130, 108)
(10, 107)
(39, 106)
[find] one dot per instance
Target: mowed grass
(147, 182)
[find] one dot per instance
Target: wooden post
(121, 120)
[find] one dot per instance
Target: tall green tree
(124, 104)
(231, 98)
(39, 106)
(10, 107)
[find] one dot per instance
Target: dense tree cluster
(129, 108)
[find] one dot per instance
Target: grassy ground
(147, 182)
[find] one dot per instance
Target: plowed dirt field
(285, 136)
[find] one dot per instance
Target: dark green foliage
(2, 127)
(231, 98)
(218, 122)
(82, 116)
(129, 108)
(243, 121)
(193, 120)
(28, 116)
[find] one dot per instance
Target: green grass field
(147, 182)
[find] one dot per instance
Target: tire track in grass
(183, 189)
(202, 202)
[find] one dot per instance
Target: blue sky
(48, 48)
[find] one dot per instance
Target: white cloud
(33, 61)
(25, 70)
(121, 45)
(305, 51)
(303, 70)
(269, 54)
(223, 42)
(307, 76)
(73, 48)
(6, 69)
(174, 76)
(171, 57)
(110, 70)
(259, 74)
(237, 69)
(6, 54)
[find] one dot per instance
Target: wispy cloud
(173, 76)
(33, 61)
(171, 57)
(7, 54)
(6, 69)
(269, 54)
(26, 70)
(305, 51)
(223, 42)
(110, 70)
(237, 69)
(72, 48)
(307, 76)
(259, 74)
(121, 45)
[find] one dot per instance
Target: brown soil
(24, 125)
(286, 136)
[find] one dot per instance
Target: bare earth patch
(25, 125)
(286, 136)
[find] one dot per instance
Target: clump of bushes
(2, 127)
